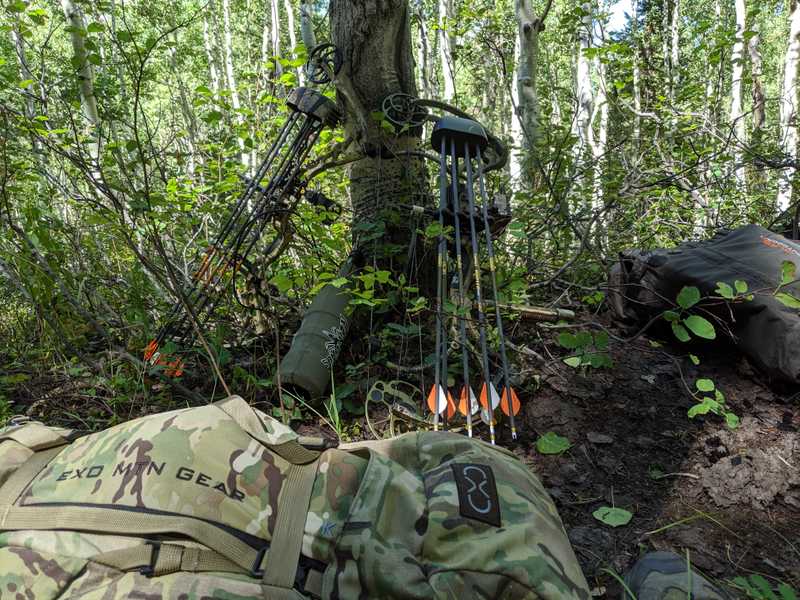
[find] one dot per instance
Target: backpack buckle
(256, 570)
(150, 570)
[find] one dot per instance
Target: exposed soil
(730, 498)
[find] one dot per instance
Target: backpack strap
(27, 471)
(287, 539)
(292, 451)
(156, 558)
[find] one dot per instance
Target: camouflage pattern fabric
(423, 515)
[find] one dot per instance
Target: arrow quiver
(462, 145)
(268, 198)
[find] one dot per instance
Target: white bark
(675, 46)
(276, 35)
(423, 54)
(788, 109)
(583, 86)
(736, 114)
(230, 75)
(85, 72)
(446, 46)
(528, 116)
(307, 24)
(756, 71)
(287, 6)
(517, 135)
(210, 57)
(599, 141)
(637, 86)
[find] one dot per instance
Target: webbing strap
(27, 471)
(109, 520)
(287, 539)
(163, 559)
(36, 436)
(246, 418)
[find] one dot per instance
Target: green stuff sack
(224, 502)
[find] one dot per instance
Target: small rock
(651, 379)
(590, 537)
(599, 438)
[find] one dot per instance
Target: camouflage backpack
(222, 501)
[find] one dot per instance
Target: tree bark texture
(788, 113)
(736, 114)
(375, 39)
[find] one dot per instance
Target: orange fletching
(484, 397)
(150, 350)
(515, 405)
(451, 405)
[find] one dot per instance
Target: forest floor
(728, 498)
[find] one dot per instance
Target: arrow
(459, 273)
(440, 355)
(511, 401)
(478, 292)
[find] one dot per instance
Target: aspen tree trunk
(788, 112)
(307, 24)
(517, 134)
(599, 142)
(447, 44)
(583, 89)
(675, 47)
(713, 83)
(423, 53)
(756, 71)
(230, 75)
(529, 26)
(276, 34)
(637, 86)
(213, 72)
(287, 6)
(189, 119)
(85, 72)
(736, 114)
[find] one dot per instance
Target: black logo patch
(477, 493)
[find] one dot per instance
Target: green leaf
(701, 327)
(95, 27)
(688, 297)
(695, 360)
(680, 332)
(25, 83)
(786, 592)
(724, 290)
(759, 582)
(703, 408)
(788, 300)
(124, 36)
(613, 516)
(573, 361)
(705, 385)
(788, 272)
(671, 316)
(567, 340)
(601, 340)
(731, 420)
(552, 443)
(741, 286)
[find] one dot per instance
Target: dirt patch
(728, 497)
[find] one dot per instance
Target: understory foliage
(128, 127)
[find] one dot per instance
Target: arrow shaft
(478, 292)
(440, 259)
(459, 273)
(493, 275)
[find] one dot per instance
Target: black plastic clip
(150, 569)
(256, 570)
